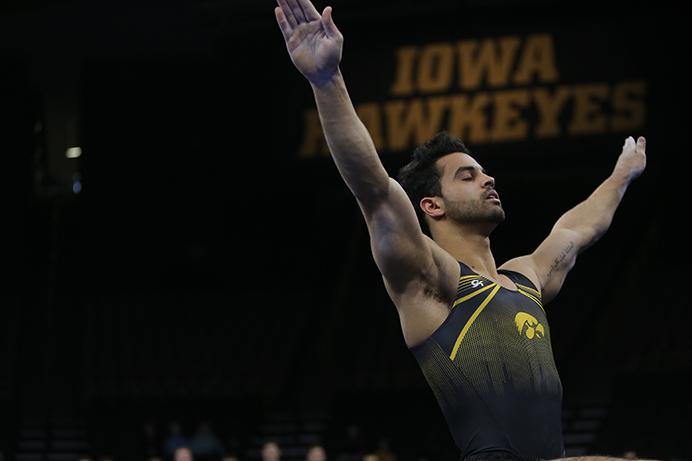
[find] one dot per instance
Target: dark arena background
(180, 251)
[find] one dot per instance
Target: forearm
(592, 217)
(350, 143)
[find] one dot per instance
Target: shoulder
(436, 277)
(522, 270)
(425, 301)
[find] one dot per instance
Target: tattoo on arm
(560, 258)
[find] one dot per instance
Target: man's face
(468, 193)
(316, 454)
(270, 451)
(182, 454)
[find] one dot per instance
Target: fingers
(309, 10)
(291, 13)
(329, 26)
(641, 145)
(288, 13)
(286, 29)
(297, 11)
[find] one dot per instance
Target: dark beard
(477, 211)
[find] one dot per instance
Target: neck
(469, 244)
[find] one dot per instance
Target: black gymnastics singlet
(490, 365)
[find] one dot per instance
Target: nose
(488, 182)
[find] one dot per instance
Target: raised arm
(581, 226)
(314, 44)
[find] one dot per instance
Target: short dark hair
(420, 177)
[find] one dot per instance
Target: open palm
(313, 41)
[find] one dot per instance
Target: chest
(493, 314)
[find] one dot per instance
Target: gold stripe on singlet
(480, 308)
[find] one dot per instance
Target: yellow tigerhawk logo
(528, 325)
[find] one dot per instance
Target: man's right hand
(312, 40)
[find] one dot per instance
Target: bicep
(400, 249)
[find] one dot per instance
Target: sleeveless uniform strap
(465, 270)
(522, 282)
(518, 277)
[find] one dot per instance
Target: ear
(433, 207)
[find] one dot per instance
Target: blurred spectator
(384, 452)
(174, 440)
(352, 447)
(205, 444)
(630, 454)
(271, 451)
(316, 453)
(182, 454)
(232, 448)
(370, 457)
(150, 442)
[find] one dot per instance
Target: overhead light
(73, 152)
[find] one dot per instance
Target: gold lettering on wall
(413, 122)
(628, 106)
(406, 60)
(589, 116)
(488, 90)
(537, 61)
(467, 117)
(549, 105)
(486, 60)
(508, 124)
(435, 69)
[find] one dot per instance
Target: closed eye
(467, 173)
